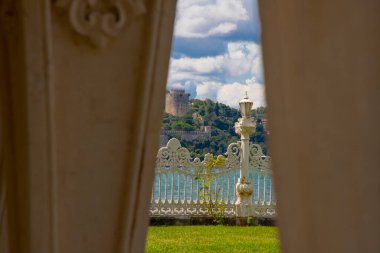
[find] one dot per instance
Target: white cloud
(204, 77)
(244, 58)
(231, 94)
(222, 29)
(241, 59)
(203, 65)
(227, 76)
(204, 18)
(208, 90)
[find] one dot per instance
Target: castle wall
(183, 135)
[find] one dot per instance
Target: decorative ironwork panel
(176, 190)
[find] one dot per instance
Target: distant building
(198, 118)
(177, 102)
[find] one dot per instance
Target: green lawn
(190, 239)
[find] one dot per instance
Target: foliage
(222, 239)
(259, 136)
(250, 221)
(185, 123)
(222, 119)
(209, 197)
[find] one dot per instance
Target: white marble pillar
(244, 189)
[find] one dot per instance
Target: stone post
(244, 189)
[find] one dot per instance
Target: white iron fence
(176, 189)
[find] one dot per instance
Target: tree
(210, 198)
(222, 119)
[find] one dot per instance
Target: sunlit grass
(190, 239)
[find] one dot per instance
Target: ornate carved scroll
(100, 20)
(257, 159)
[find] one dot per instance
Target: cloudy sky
(216, 51)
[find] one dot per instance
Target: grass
(190, 239)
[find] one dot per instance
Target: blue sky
(216, 51)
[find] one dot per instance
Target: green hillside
(221, 118)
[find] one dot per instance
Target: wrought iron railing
(176, 190)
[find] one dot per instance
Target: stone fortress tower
(177, 102)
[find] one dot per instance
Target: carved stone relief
(100, 20)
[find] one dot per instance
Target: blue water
(222, 186)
